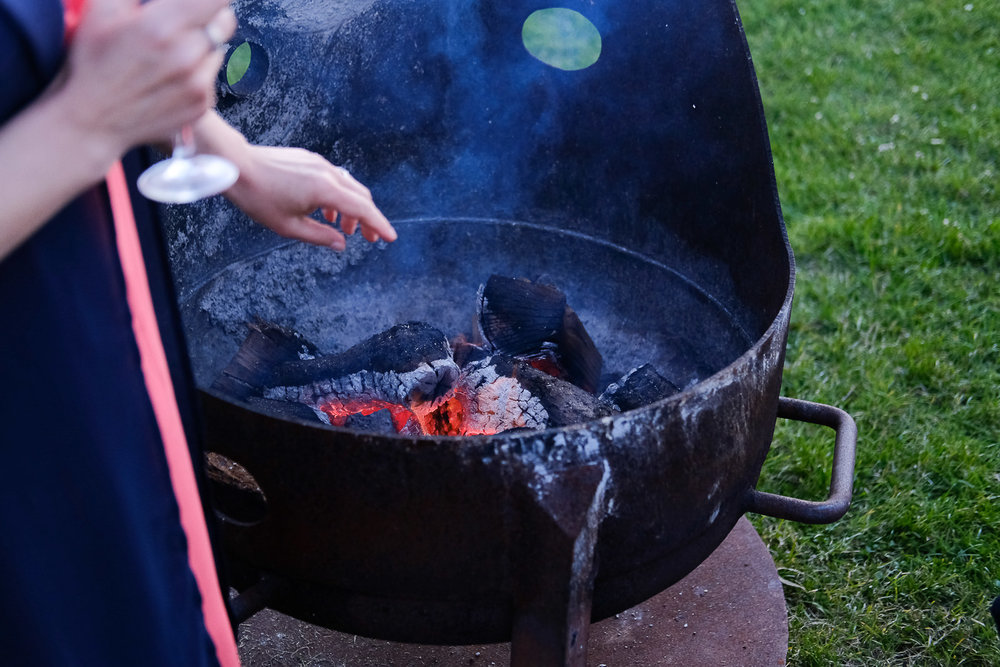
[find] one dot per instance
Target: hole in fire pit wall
(245, 69)
(235, 492)
(562, 38)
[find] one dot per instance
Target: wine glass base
(182, 180)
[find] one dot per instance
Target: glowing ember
(483, 402)
(337, 412)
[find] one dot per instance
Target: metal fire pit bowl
(640, 185)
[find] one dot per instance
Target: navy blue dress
(93, 560)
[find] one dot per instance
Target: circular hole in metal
(245, 68)
(562, 38)
(236, 495)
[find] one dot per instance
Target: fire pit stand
(557, 520)
(728, 611)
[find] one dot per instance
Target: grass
(884, 119)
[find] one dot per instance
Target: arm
(281, 187)
(134, 73)
(38, 174)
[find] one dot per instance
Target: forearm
(45, 161)
(214, 135)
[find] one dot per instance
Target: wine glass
(187, 176)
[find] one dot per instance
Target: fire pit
(640, 184)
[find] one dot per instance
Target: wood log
(565, 403)
(266, 346)
(578, 353)
(536, 368)
(517, 316)
(407, 367)
(639, 387)
(520, 318)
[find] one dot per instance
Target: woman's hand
(134, 74)
(282, 187)
(137, 72)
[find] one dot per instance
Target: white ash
(424, 388)
(496, 403)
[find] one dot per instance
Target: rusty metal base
(728, 611)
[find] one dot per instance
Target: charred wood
(521, 318)
(489, 399)
(284, 409)
(380, 422)
(517, 316)
(503, 393)
(464, 352)
(578, 353)
(266, 346)
(401, 349)
(639, 387)
(535, 367)
(408, 367)
(565, 403)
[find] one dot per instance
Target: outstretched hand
(138, 72)
(281, 187)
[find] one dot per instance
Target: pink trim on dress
(161, 393)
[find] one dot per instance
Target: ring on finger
(215, 35)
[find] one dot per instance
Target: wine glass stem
(184, 143)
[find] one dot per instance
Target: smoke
(659, 147)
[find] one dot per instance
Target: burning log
(488, 399)
(537, 368)
(501, 393)
(380, 421)
(407, 369)
(517, 316)
(564, 402)
(266, 346)
(529, 320)
(284, 409)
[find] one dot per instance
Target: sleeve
(31, 50)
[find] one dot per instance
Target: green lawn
(884, 118)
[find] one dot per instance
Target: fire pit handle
(841, 479)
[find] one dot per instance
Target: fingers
(221, 27)
(197, 58)
(203, 81)
(349, 225)
(199, 38)
(345, 178)
(310, 231)
(281, 188)
(357, 208)
(356, 212)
